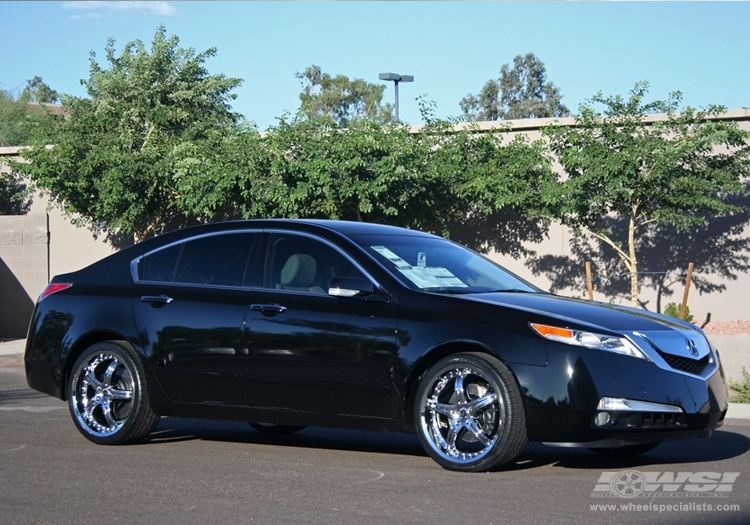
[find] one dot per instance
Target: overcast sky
(451, 48)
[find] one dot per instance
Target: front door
(312, 352)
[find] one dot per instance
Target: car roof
(345, 228)
(358, 228)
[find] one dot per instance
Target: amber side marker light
(54, 288)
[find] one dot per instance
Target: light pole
(396, 78)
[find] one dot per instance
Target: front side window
(434, 264)
(299, 263)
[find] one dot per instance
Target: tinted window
(159, 266)
(299, 263)
(217, 260)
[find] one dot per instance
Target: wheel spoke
(477, 405)
(473, 427)
(458, 388)
(110, 372)
(91, 379)
(450, 440)
(441, 408)
(107, 411)
(91, 404)
(122, 395)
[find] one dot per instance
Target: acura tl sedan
(293, 323)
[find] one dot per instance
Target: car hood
(646, 328)
(607, 316)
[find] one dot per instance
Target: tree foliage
(24, 124)
(314, 167)
(618, 163)
(520, 92)
(342, 99)
(121, 151)
(14, 194)
(385, 174)
(40, 93)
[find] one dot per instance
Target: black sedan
(293, 323)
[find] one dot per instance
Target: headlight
(618, 345)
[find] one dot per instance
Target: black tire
(627, 451)
(270, 428)
(469, 414)
(108, 395)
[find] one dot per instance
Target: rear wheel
(108, 396)
(270, 428)
(469, 413)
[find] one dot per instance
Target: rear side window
(216, 260)
(160, 266)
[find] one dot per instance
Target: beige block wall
(23, 270)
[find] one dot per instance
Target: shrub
(673, 310)
(740, 390)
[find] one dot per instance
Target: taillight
(54, 288)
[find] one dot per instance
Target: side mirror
(350, 287)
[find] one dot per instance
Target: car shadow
(20, 395)
(724, 444)
(172, 429)
(729, 442)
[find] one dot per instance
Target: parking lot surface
(193, 471)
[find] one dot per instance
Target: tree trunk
(633, 264)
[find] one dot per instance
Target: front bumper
(562, 400)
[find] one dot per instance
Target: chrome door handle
(268, 308)
(156, 300)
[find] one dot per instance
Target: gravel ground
(739, 327)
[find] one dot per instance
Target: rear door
(190, 315)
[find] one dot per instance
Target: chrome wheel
(107, 396)
(469, 413)
(103, 394)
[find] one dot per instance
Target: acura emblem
(691, 346)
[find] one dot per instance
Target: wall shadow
(504, 232)
(16, 306)
(719, 251)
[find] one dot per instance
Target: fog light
(602, 418)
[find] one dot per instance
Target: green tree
(122, 152)
(520, 92)
(22, 124)
(385, 174)
(618, 163)
(39, 92)
(344, 100)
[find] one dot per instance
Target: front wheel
(108, 396)
(469, 413)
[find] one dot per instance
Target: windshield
(439, 265)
